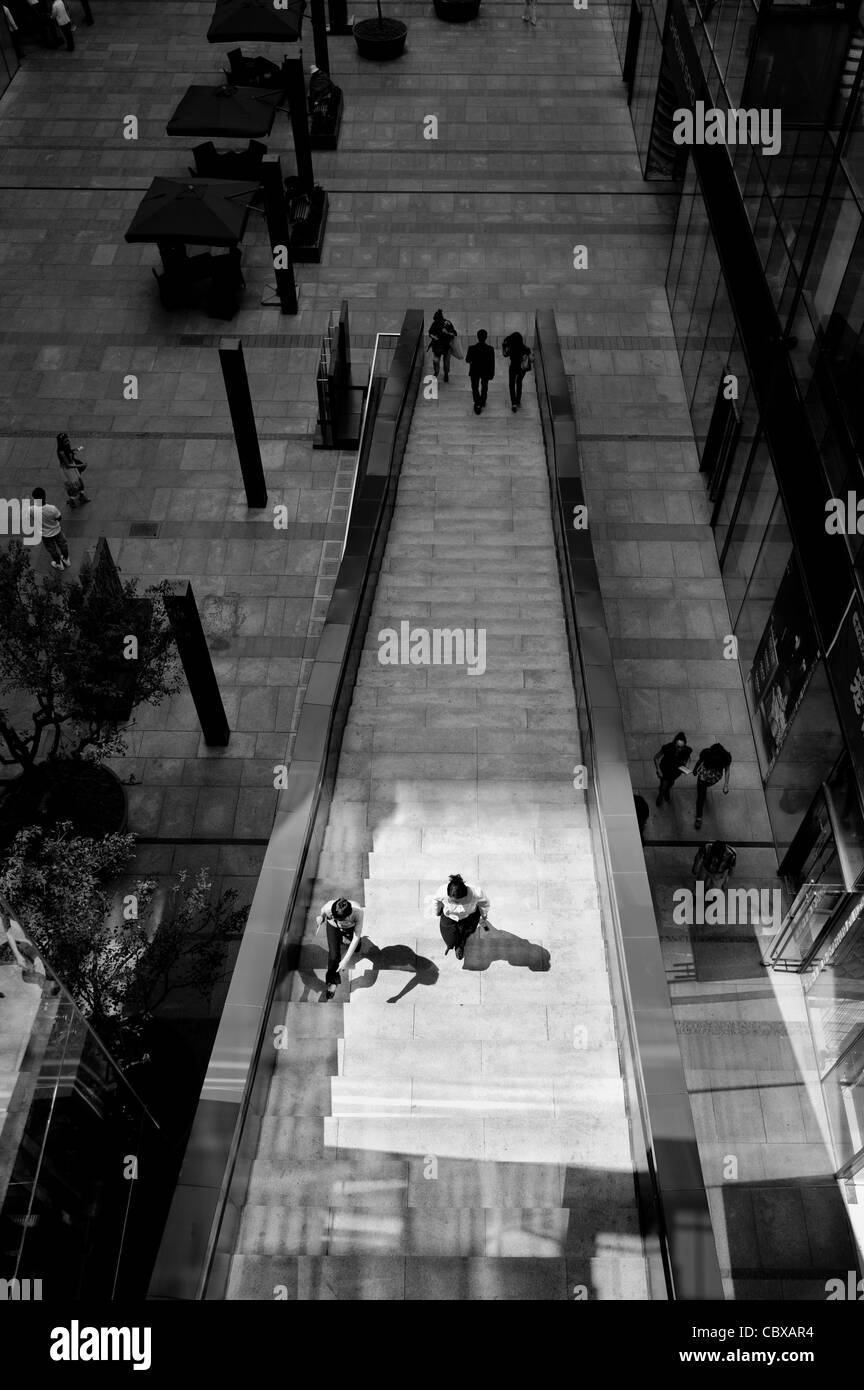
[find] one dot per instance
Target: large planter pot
(457, 11)
(85, 793)
(380, 39)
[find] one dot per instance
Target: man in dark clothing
(481, 368)
(714, 763)
(668, 763)
(713, 863)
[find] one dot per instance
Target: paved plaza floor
(534, 157)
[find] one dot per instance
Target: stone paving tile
(482, 221)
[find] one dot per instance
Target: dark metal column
(293, 68)
(188, 633)
(279, 231)
(319, 35)
(243, 419)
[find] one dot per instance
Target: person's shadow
(312, 967)
(422, 970)
(483, 948)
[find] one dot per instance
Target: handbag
(527, 360)
(456, 349)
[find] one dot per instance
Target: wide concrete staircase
(455, 1129)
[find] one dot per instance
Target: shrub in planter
(119, 968)
(380, 39)
(67, 662)
(91, 798)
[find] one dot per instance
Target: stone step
(370, 1278)
(493, 1231)
(487, 866)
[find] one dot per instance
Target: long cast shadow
(483, 948)
(394, 958)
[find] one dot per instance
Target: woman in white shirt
(464, 907)
(344, 921)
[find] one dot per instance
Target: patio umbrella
(236, 20)
(193, 211)
(241, 111)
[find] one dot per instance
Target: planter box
(380, 40)
(457, 11)
(325, 135)
(307, 238)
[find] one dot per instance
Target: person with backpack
(463, 907)
(713, 763)
(714, 862)
(71, 468)
(442, 335)
(520, 361)
(344, 922)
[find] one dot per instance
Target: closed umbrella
(240, 111)
(193, 211)
(236, 20)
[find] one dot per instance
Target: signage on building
(784, 662)
(684, 62)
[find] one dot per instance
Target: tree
(119, 960)
(85, 661)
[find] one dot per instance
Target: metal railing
(373, 387)
(678, 1244)
(199, 1240)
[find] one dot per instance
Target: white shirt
(457, 909)
(353, 923)
(60, 12)
(50, 518)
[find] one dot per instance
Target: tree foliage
(64, 646)
(120, 956)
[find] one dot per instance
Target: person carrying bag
(71, 468)
(442, 336)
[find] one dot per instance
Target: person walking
(344, 922)
(50, 522)
(480, 358)
(714, 762)
(714, 862)
(62, 19)
(442, 335)
(14, 32)
(464, 907)
(71, 468)
(529, 13)
(669, 762)
(520, 361)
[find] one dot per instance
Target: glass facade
(804, 211)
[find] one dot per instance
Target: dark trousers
(515, 377)
(334, 955)
(16, 42)
(56, 547)
(66, 31)
(701, 793)
(464, 927)
(480, 389)
(666, 785)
